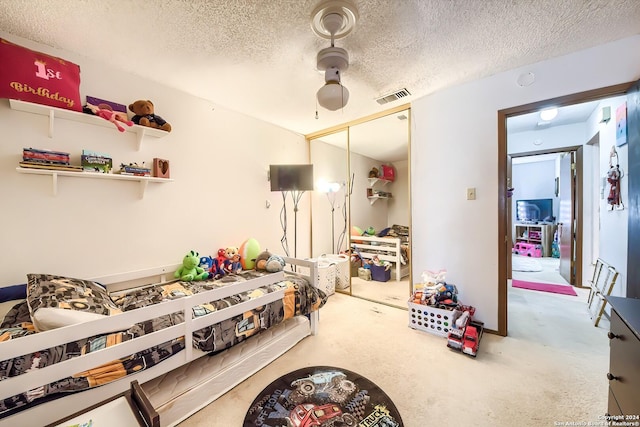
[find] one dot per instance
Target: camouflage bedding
(299, 299)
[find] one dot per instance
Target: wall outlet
(471, 193)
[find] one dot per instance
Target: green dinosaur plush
(190, 270)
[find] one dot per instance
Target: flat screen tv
(291, 177)
(535, 210)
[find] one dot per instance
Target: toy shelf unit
(60, 113)
(142, 180)
(536, 234)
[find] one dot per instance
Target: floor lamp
(331, 189)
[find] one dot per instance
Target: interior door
(633, 138)
(565, 217)
(509, 220)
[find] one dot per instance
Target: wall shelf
(54, 112)
(142, 180)
(373, 199)
(374, 181)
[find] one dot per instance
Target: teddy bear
(374, 173)
(190, 270)
(144, 115)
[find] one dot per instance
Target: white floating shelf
(373, 199)
(142, 180)
(54, 112)
(374, 181)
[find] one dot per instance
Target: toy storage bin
(326, 275)
(380, 273)
(364, 273)
(430, 319)
(343, 269)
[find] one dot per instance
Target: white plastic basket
(343, 269)
(326, 275)
(431, 319)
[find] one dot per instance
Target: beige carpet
(550, 369)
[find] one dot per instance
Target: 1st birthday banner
(31, 76)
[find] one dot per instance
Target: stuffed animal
(235, 266)
(144, 115)
(374, 173)
(261, 260)
(275, 263)
(189, 270)
(206, 263)
(106, 112)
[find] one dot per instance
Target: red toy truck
(466, 338)
(310, 415)
(470, 341)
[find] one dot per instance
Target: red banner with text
(27, 75)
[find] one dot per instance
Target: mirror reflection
(380, 213)
(361, 207)
(330, 206)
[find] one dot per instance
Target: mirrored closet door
(358, 209)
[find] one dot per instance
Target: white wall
(534, 180)
(399, 204)
(329, 165)
(546, 139)
(460, 235)
(613, 223)
(219, 160)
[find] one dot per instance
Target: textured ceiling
(258, 56)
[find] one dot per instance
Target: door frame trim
(503, 243)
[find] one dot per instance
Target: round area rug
(322, 396)
(523, 263)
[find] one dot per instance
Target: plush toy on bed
(190, 269)
(144, 115)
(275, 263)
(261, 260)
(206, 263)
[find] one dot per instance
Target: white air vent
(393, 96)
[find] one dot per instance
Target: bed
(392, 246)
(239, 325)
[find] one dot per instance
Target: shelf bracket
(51, 116)
(139, 137)
(54, 182)
(143, 187)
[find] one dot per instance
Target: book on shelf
(37, 155)
(50, 166)
(93, 161)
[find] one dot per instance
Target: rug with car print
(322, 396)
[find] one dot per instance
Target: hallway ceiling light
(548, 114)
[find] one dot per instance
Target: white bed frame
(369, 246)
(215, 375)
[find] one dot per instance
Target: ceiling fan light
(548, 114)
(333, 96)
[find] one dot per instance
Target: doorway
(504, 201)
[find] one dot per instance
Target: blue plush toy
(206, 263)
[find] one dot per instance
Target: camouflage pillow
(57, 301)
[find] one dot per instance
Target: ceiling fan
(333, 19)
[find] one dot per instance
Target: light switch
(471, 193)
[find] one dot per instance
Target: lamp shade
(333, 96)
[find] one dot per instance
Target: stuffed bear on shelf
(145, 116)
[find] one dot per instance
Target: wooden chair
(603, 292)
(594, 280)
